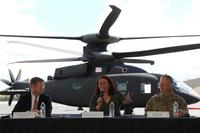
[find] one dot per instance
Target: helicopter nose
(194, 99)
(189, 95)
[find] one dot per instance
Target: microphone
(101, 94)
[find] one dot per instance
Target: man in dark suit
(32, 100)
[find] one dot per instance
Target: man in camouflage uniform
(165, 99)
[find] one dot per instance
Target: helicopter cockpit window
(98, 69)
(122, 87)
(145, 88)
(178, 84)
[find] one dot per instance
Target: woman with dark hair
(105, 94)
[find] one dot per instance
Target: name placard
(157, 114)
(20, 115)
(92, 114)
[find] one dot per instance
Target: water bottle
(112, 109)
(175, 109)
(42, 110)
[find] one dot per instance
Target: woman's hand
(100, 100)
(99, 103)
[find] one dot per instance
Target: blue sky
(178, 9)
(77, 17)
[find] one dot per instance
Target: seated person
(32, 100)
(165, 99)
(105, 94)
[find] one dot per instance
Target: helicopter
(74, 85)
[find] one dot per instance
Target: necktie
(35, 104)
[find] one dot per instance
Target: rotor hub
(96, 39)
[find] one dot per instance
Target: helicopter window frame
(146, 88)
(122, 87)
(98, 69)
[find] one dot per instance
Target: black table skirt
(101, 125)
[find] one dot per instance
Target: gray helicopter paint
(78, 91)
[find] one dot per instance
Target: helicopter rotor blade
(13, 90)
(137, 61)
(154, 37)
(45, 37)
(158, 51)
(19, 75)
(110, 20)
(10, 88)
(6, 82)
(46, 47)
(12, 78)
(49, 60)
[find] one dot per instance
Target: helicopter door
(147, 88)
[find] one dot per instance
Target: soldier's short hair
(167, 77)
(35, 80)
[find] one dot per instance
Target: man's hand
(36, 110)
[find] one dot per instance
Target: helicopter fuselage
(76, 90)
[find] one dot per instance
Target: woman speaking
(105, 94)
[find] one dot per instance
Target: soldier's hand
(182, 112)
